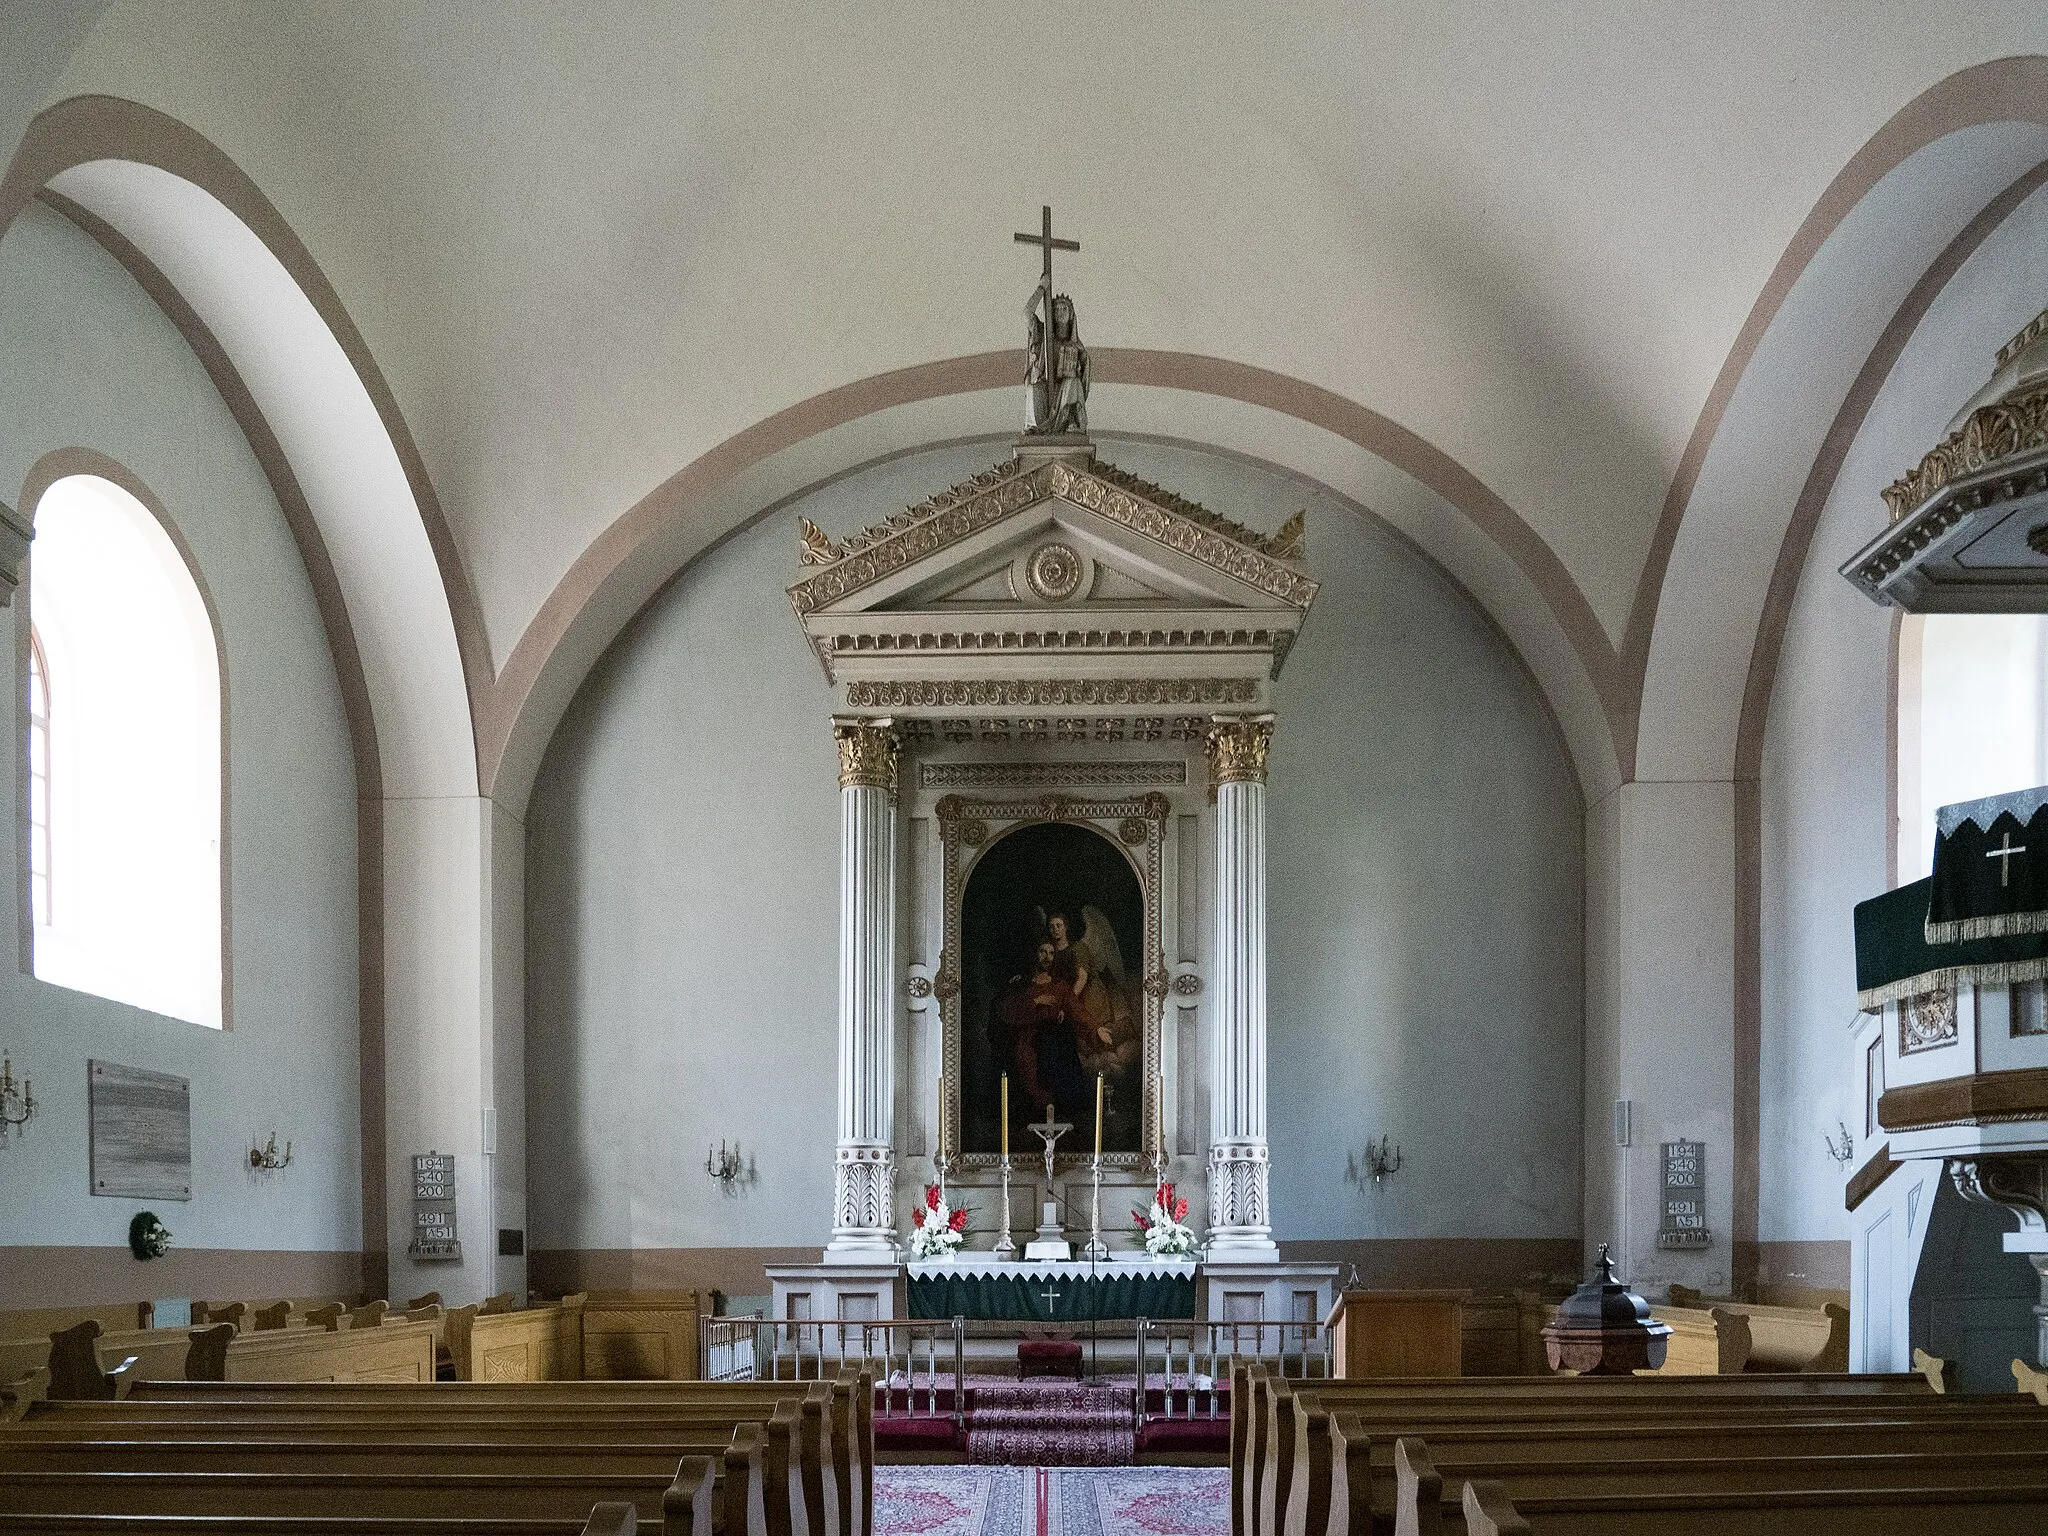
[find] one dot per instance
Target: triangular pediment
(1053, 561)
(1134, 543)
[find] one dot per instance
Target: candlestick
(1006, 1117)
(1097, 1249)
(1006, 1246)
(1098, 1114)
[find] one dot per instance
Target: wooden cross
(2004, 855)
(1045, 242)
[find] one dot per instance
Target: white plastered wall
(88, 361)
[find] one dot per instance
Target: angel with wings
(1106, 1024)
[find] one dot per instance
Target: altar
(1053, 691)
(986, 1290)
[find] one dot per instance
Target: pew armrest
(2031, 1380)
(688, 1502)
(1732, 1340)
(17, 1397)
(614, 1520)
(1488, 1512)
(1419, 1491)
(1940, 1373)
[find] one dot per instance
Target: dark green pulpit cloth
(1990, 868)
(1052, 1297)
(1894, 959)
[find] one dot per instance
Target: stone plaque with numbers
(433, 1207)
(1684, 1223)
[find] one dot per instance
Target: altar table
(1072, 1292)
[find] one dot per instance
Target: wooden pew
(639, 1335)
(1270, 1448)
(1711, 1341)
(799, 1456)
(614, 1414)
(1889, 1495)
(536, 1344)
(1785, 1338)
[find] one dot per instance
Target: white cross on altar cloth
(2004, 853)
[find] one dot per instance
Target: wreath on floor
(148, 1238)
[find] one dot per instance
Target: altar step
(1049, 1424)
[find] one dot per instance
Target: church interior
(921, 770)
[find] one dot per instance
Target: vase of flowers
(936, 1231)
(148, 1238)
(1167, 1234)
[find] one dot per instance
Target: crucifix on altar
(1051, 1242)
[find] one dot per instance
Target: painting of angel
(1049, 997)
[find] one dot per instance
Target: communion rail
(919, 1365)
(1194, 1362)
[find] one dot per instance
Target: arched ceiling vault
(1445, 459)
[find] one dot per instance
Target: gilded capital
(1237, 749)
(867, 753)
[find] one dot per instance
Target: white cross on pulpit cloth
(2004, 854)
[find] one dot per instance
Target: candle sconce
(726, 1164)
(267, 1156)
(1382, 1158)
(17, 1104)
(1844, 1151)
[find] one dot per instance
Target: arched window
(1973, 702)
(38, 780)
(129, 668)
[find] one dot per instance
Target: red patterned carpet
(1052, 1501)
(1041, 1423)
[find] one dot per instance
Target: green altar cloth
(1003, 1294)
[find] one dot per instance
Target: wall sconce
(266, 1156)
(17, 1105)
(1381, 1158)
(1843, 1152)
(728, 1166)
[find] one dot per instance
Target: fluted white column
(1240, 1227)
(863, 1223)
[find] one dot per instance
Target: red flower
(917, 1218)
(1143, 1224)
(959, 1222)
(1180, 1211)
(931, 1197)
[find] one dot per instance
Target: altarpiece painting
(1050, 924)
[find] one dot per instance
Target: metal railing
(919, 1365)
(1195, 1361)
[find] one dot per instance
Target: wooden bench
(1705, 1341)
(809, 1446)
(1278, 1439)
(1785, 1338)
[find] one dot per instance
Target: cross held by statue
(2003, 853)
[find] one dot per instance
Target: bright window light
(1978, 681)
(127, 892)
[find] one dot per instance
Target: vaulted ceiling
(588, 245)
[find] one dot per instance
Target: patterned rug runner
(1052, 1501)
(1041, 1423)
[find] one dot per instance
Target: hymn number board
(1685, 1196)
(433, 1207)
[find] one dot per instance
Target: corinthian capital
(1237, 748)
(867, 753)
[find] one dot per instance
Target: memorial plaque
(433, 1207)
(141, 1132)
(1684, 1223)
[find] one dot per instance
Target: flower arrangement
(936, 1232)
(148, 1238)
(1166, 1231)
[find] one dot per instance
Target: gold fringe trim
(2000, 925)
(2004, 973)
